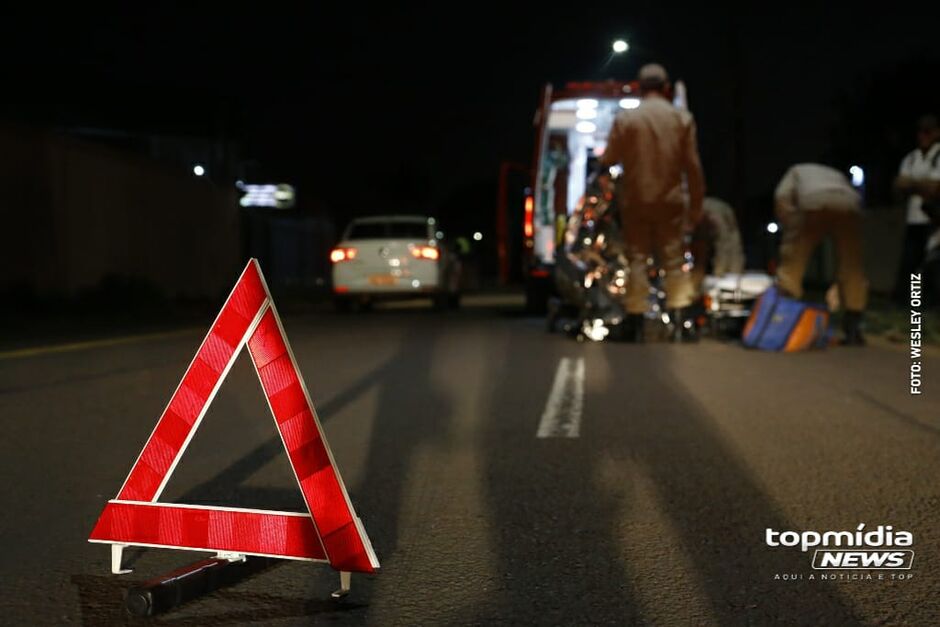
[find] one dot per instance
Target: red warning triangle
(330, 532)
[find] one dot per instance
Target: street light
(198, 170)
(619, 47)
(477, 236)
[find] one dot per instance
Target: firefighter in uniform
(717, 239)
(812, 202)
(657, 147)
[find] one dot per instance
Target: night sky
(393, 107)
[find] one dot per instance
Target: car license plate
(382, 279)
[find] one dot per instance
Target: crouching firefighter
(813, 202)
(657, 148)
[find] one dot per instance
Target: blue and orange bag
(780, 323)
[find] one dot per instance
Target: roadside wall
(75, 213)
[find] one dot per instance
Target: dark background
(374, 109)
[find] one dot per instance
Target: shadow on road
(227, 486)
(907, 419)
(412, 412)
(713, 503)
(102, 596)
(554, 526)
(559, 529)
(101, 599)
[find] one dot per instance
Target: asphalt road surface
(645, 501)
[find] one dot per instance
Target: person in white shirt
(813, 202)
(918, 180)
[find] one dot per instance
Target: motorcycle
(592, 272)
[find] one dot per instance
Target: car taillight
(529, 216)
(425, 252)
(342, 254)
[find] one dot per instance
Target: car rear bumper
(344, 290)
(375, 284)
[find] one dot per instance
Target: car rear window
(368, 230)
(380, 230)
(408, 230)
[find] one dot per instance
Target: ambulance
(571, 128)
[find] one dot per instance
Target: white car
(394, 257)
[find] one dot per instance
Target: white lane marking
(562, 415)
